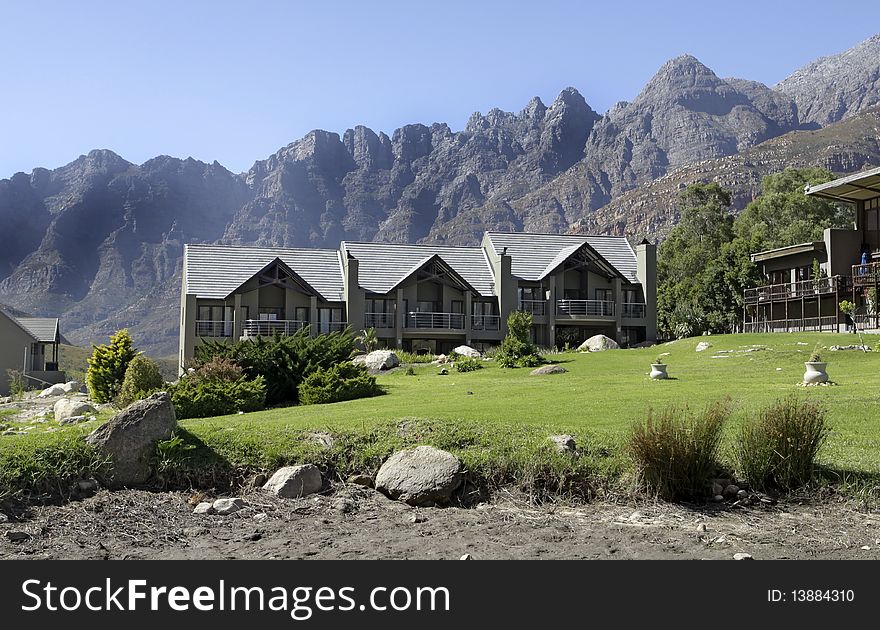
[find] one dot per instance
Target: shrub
(17, 384)
(816, 356)
(410, 371)
(467, 364)
(344, 381)
(412, 357)
(676, 453)
(516, 349)
(142, 377)
(368, 339)
(107, 366)
(203, 398)
(779, 448)
(283, 361)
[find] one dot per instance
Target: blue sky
(235, 81)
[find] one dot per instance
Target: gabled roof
(533, 256)
(435, 258)
(215, 271)
(382, 266)
(281, 266)
(852, 188)
(42, 329)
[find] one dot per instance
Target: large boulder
(129, 438)
(598, 343)
(421, 476)
(292, 482)
(70, 408)
(74, 387)
(378, 360)
(467, 351)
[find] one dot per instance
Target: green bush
(344, 381)
(467, 364)
(107, 366)
(676, 453)
(142, 377)
(516, 349)
(283, 361)
(779, 449)
(196, 398)
(412, 357)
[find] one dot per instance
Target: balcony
(485, 322)
(633, 310)
(269, 327)
(379, 320)
(866, 275)
(209, 328)
(585, 308)
(442, 321)
(535, 307)
(323, 328)
(796, 290)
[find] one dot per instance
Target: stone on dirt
(130, 437)
(548, 369)
(421, 476)
(730, 491)
(74, 387)
(292, 482)
(742, 556)
(205, 507)
(598, 343)
(17, 537)
(466, 556)
(53, 390)
(224, 507)
(361, 480)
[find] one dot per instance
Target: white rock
(54, 390)
(742, 556)
(466, 556)
(703, 345)
(548, 369)
(565, 444)
(70, 408)
(598, 343)
(467, 351)
(204, 508)
(378, 360)
(228, 506)
(292, 482)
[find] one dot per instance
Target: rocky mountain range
(99, 241)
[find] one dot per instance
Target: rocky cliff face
(99, 241)
(833, 88)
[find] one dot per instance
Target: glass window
(302, 313)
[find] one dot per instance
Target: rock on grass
(420, 476)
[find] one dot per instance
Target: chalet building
(795, 298)
(29, 345)
(423, 298)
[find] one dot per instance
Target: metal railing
(794, 290)
(485, 322)
(634, 310)
(535, 307)
(269, 327)
(447, 321)
(864, 275)
(806, 324)
(213, 328)
(585, 308)
(379, 320)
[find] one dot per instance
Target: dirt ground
(356, 522)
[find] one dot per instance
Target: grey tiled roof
(382, 265)
(43, 329)
(215, 271)
(535, 255)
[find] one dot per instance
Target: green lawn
(498, 419)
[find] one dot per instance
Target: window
(457, 306)
(603, 295)
(271, 313)
(210, 322)
(301, 313)
(872, 223)
(631, 296)
(329, 320)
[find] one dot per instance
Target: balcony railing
(446, 321)
(269, 327)
(379, 320)
(796, 290)
(864, 275)
(485, 322)
(210, 328)
(585, 308)
(535, 307)
(633, 310)
(807, 324)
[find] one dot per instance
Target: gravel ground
(356, 522)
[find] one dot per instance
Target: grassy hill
(498, 420)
